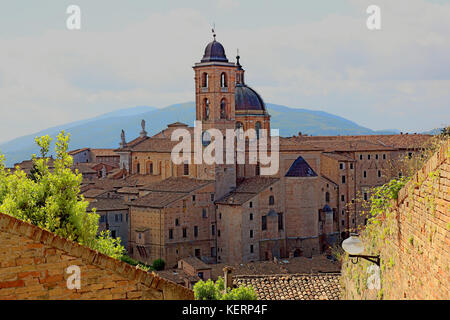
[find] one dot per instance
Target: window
(251, 248)
(212, 196)
(264, 223)
(220, 215)
(113, 234)
(218, 233)
(351, 165)
(257, 170)
(280, 221)
(150, 168)
(341, 166)
(365, 174)
(379, 173)
(223, 80)
(384, 157)
(257, 128)
(184, 205)
(140, 235)
(116, 218)
(251, 233)
(197, 253)
(365, 221)
(365, 196)
(177, 222)
(343, 179)
(409, 155)
(170, 233)
(327, 197)
(251, 216)
(239, 125)
(223, 111)
(204, 214)
(195, 231)
(102, 218)
(184, 232)
(213, 251)
(213, 230)
(200, 275)
(138, 168)
(186, 169)
(205, 80)
(360, 157)
(193, 198)
(343, 198)
(368, 157)
(342, 222)
(400, 174)
(250, 205)
(376, 156)
(343, 212)
(206, 109)
(271, 201)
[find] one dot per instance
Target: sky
(317, 55)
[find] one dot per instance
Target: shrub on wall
(50, 199)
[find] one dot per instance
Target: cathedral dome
(214, 51)
(247, 99)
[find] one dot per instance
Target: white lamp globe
(353, 245)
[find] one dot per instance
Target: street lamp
(354, 247)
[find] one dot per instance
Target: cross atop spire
(213, 31)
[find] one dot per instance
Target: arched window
(327, 197)
(150, 167)
(257, 128)
(223, 80)
(206, 109)
(205, 80)
(271, 200)
(223, 112)
(239, 125)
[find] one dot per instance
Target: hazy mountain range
(104, 131)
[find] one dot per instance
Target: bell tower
(215, 83)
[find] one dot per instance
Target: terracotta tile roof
(196, 263)
(93, 193)
(104, 153)
(83, 167)
(293, 286)
(295, 265)
(338, 156)
(177, 184)
(78, 151)
(130, 190)
(247, 189)
(157, 199)
(401, 141)
(178, 276)
(108, 204)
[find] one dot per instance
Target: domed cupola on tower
(214, 51)
(250, 109)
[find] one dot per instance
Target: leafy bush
(208, 290)
(50, 200)
(133, 262)
(158, 264)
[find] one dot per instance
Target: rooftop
(293, 286)
(247, 189)
(300, 168)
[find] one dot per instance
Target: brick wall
(33, 265)
(415, 256)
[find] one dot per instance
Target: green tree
(208, 290)
(158, 264)
(51, 200)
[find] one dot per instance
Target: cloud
(397, 77)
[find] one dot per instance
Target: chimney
(228, 277)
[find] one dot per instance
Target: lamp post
(354, 247)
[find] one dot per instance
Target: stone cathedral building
(230, 213)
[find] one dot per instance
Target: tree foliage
(158, 264)
(51, 200)
(208, 290)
